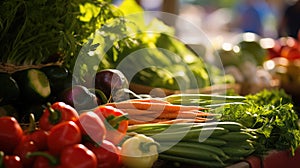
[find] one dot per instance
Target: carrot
(177, 114)
(142, 117)
(168, 121)
(153, 106)
(153, 100)
(134, 122)
(139, 112)
(181, 120)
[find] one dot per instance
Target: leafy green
(270, 114)
(42, 31)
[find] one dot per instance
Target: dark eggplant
(110, 81)
(79, 97)
(58, 77)
(9, 90)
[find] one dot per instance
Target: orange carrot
(168, 121)
(152, 100)
(153, 106)
(181, 120)
(139, 112)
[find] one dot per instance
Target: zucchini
(34, 85)
(9, 90)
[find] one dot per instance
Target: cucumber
(239, 136)
(57, 76)
(209, 141)
(192, 153)
(244, 144)
(9, 110)
(34, 85)
(9, 90)
(198, 147)
(189, 134)
(205, 163)
(237, 151)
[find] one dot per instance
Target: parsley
(271, 116)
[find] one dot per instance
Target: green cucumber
(191, 153)
(239, 136)
(205, 163)
(243, 144)
(34, 85)
(9, 110)
(198, 147)
(188, 134)
(57, 76)
(237, 151)
(209, 141)
(9, 90)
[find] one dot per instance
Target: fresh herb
(270, 114)
(43, 31)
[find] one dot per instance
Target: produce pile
(250, 125)
(200, 129)
(52, 115)
(64, 138)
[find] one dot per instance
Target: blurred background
(257, 40)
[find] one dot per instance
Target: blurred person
(252, 16)
(248, 19)
(290, 23)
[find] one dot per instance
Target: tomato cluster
(64, 138)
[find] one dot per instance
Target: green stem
(54, 116)
(145, 146)
(114, 122)
(32, 124)
(52, 160)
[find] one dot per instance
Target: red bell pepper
(10, 134)
(77, 156)
(92, 127)
(44, 160)
(56, 113)
(33, 133)
(107, 154)
(116, 122)
(10, 161)
(63, 134)
(72, 156)
(23, 148)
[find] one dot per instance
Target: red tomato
(116, 123)
(57, 113)
(10, 134)
(107, 154)
(92, 126)
(77, 156)
(63, 134)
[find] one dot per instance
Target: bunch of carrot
(142, 111)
